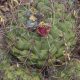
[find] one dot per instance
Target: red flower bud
(43, 30)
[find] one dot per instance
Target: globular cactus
(34, 48)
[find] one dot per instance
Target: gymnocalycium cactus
(33, 49)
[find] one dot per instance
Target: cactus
(33, 49)
(38, 37)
